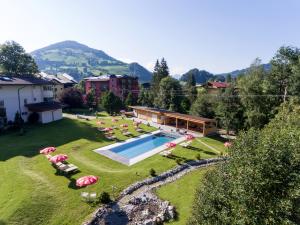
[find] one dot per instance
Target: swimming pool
(139, 148)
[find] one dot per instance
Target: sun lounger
(126, 133)
(111, 137)
(93, 196)
(71, 169)
(185, 144)
(84, 195)
(67, 168)
(165, 153)
(101, 129)
(139, 130)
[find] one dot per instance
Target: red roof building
(120, 85)
(217, 84)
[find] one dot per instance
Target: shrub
(33, 118)
(104, 198)
(152, 172)
(18, 121)
(72, 97)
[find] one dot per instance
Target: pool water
(140, 146)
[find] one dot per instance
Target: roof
(218, 84)
(44, 106)
(59, 78)
(23, 80)
(173, 114)
(107, 77)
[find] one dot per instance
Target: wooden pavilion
(205, 126)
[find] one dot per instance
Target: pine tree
(229, 110)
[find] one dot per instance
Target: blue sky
(216, 35)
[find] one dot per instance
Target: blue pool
(140, 146)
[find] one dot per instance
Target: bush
(152, 172)
(104, 198)
(18, 121)
(198, 156)
(33, 118)
(72, 97)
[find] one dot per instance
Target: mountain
(235, 73)
(81, 61)
(201, 76)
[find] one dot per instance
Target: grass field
(31, 190)
(181, 194)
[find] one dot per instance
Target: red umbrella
(227, 144)
(171, 145)
(47, 150)
(189, 137)
(58, 158)
(108, 129)
(86, 180)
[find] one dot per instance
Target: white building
(60, 82)
(27, 95)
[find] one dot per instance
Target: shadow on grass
(72, 184)
(201, 150)
(2, 222)
(218, 138)
(42, 135)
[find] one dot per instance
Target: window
(48, 99)
(2, 110)
(47, 88)
(25, 101)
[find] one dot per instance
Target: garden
(34, 192)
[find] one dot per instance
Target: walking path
(210, 147)
(112, 213)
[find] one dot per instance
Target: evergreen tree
(284, 78)
(203, 106)
(111, 103)
(191, 81)
(229, 110)
(253, 96)
(161, 71)
(91, 100)
(228, 78)
(190, 88)
(15, 61)
(170, 94)
(145, 97)
(260, 183)
(130, 100)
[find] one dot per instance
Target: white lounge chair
(93, 196)
(185, 144)
(126, 133)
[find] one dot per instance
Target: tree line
(251, 99)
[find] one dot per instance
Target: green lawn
(31, 192)
(181, 194)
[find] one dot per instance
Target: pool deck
(128, 162)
